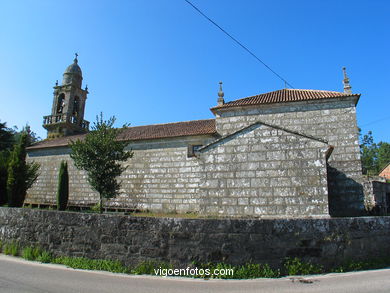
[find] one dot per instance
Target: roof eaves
(32, 148)
(233, 104)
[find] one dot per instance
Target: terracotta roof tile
(188, 128)
(284, 95)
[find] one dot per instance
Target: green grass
(246, 271)
(28, 253)
(148, 267)
(250, 271)
(45, 257)
(11, 248)
(294, 266)
(351, 266)
(91, 264)
(31, 253)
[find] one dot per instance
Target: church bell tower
(67, 113)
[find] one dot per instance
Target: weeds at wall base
(291, 266)
(10, 248)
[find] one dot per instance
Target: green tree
(369, 153)
(374, 156)
(21, 175)
(6, 137)
(4, 159)
(6, 143)
(383, 155)
(63, 187)
(100, 155)
(32, 137)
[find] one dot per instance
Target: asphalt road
(19, 276)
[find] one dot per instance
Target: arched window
(60, 103)
(76, 106)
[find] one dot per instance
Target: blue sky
(150, 62)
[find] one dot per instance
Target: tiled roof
(284, 95)
(188, 128)
(385, 171)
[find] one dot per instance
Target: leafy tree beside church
(100, 155)
(20, 174)
(374, 156)
(16, 175)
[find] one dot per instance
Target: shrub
(294, 266)
(21, 175)
(91, 264)
(31, 253)
(63, 187)
(11, 248)
(44, 257)
(221, 266)
(368, 264)
(27, 253)
(148, 267)
(250, 271)
(246, 271)
(96, 208)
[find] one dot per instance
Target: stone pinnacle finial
(57, 82)
(221, 94)
(347, 86)
(75, 58)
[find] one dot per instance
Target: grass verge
(291, 266)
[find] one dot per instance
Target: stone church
(286, 153)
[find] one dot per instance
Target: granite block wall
(332, 120)
(160, 177)
(260, 171)
(180, 241)
(44, 189)
(265, 171)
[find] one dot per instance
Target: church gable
(253, 127)
(264, 170)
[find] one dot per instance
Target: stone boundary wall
(377, 195)
(179, 241)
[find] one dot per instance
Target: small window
(192, 148)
